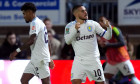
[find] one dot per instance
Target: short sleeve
(70, 33)
(34, 28)
(99, 30)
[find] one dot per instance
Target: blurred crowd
(58, 48)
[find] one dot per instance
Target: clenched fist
(13, 55)
(51, 64)
(106, 22)
(77, 26)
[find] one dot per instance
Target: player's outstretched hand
(51, 64)
(13, 55)
(77, 26)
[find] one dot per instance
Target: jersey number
(97, 73)
(45, 37)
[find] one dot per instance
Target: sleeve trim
(103, 33)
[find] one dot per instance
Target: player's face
(82, 13)
(27, 15)
(102, 21)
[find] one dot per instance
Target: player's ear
(75, 14)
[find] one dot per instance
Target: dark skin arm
(30, 41)
(51, 64)
(26, 45)
(120, 41)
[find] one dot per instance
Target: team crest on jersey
(89, 28)
(33, 27)
(67, 30)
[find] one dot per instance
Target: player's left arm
(51, 63)
(107, 34)
(26, 45)
(119, 39)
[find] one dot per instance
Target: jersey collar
(34, 19)
(84, 22)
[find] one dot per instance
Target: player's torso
(116, 54)
(39, 50)
(85, 43)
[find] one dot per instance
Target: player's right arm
(34, 30)
(26, 45)
(70, 32)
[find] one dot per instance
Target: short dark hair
(29, 6)
(76, 7)
(9, 33)
(46, 19)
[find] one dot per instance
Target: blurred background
(57, 13)
(124, 14)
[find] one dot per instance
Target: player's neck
(33, 17)
(81, 21)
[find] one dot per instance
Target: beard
(83, 18)
(27, 21)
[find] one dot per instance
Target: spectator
(11, 43)
(54, 46)
(49, 26)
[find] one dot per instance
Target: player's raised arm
(72, 27)
(71, 31)
(119, 39)
(108, 33)
(104, 31)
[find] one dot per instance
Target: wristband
(18, 50)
